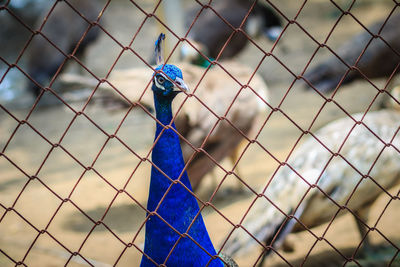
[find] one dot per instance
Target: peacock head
(168, 81)
(167, 78)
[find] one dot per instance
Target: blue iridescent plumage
(179, 208)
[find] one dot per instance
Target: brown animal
(64, 28)
(340, 178)
(379, 60)
(209, 32)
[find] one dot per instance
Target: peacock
(175, 231)
(209, 32)
(349, 169)
(380, 59)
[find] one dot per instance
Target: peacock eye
(160, 79)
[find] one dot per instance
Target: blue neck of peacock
(179, 208)
(167, 152)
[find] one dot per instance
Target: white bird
(370, 150)
(213, 96)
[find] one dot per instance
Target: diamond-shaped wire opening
(13, 222)
(56, 130)
(269, 130)
(34, 150)
(50, 176)
(104, 164)
(109, 255)
(34, 208)
(11, 179)
(47, 249)
(83, 154)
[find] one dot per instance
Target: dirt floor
(93, 191)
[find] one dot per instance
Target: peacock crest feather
(159, 49)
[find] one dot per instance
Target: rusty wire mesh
(128, 244)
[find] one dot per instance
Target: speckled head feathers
(172, 71)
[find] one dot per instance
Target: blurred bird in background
(65, 28)
(218, 91)
(210, 32)
(380, 59)
(27, 11)
(313, 163)
(15, 16)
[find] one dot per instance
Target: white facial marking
(179, 84)
(158, 78)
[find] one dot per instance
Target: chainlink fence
(74, 178)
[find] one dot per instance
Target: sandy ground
(93, 191)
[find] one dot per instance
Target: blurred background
(55, 144)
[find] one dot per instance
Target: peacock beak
(180, 85)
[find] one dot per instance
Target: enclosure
(75, 158)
